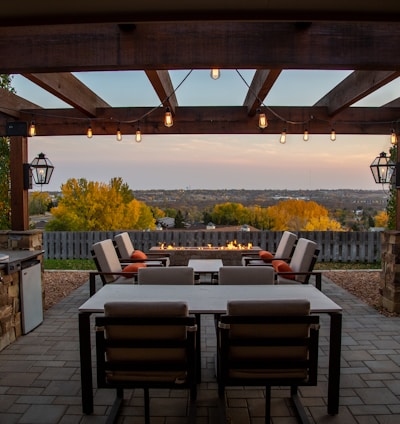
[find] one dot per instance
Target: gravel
(363, 284)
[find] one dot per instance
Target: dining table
(209, 299)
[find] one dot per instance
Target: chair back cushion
(246, 275)
(286, 244)
(137, 335)
(302, 257)
(166, 275)
(277, 351)
(107, 258)
(124, 245)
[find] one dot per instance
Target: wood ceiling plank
(353, 88)
(11, 104)
(233, 45)
(162, 84)
(262, 82)
(70, 89)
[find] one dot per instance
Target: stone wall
(10, 301)
(390, 275)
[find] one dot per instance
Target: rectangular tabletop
(205, 265)
(208, 299)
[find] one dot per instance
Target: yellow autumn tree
(93, 206)
(301, 215)
(381, 219)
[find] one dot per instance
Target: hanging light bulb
(168, 121)
(262, 120)
(333, 135)
(306, 135)
(215, 74)
(119, 135)
(89, 132)
(32, 129)
(282, 140)
(393, 138)
(138, 135)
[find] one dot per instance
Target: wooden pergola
(45, 41)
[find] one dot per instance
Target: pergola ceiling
(46, 41)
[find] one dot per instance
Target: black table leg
(86, 363)
(334, 363)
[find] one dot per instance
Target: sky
(212, 161)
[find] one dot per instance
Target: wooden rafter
(353, 88)
(11, 104)
(162, 84)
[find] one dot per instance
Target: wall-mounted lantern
(41, 169)
(382, 169)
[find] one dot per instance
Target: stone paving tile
(40, 376)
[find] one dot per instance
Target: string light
(215, 74)
(32, 129)
(333, 135)
(282, 140)
(138, 135)
(393, 138)
(262, 120)
(119, 135)
(89, 132)
(306, 135)
(168, 121)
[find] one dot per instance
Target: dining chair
(126, 251)
(146, 345)
(268, 343)
(283, 251)
(246, 275)
(166, 275)
(301, 266)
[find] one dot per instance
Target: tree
(391, 207)
(5, 180)
(93, 206)
(230, 214)
(39, 202)
(381, 219)
(179, 221)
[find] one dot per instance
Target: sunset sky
(212, 161)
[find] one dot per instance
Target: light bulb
(32, 129)
(138, 136)
(262, 121)
(89, 132)
(215, 74)
(282, 140)
(168, 121)
(393, 138)
(119, 135)
(333, 135)
(306, 135)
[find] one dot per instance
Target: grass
(88, 264)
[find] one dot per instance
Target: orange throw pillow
(282, 266)
(266, 256)
(132, 268)
(138, 254)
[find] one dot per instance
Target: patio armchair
(126, 251)
(166, 275)
(268, 343)
(301, 266)
(246, 275)
(284, 251)
(146, 345)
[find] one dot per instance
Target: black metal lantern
(382, 169)
(42, 169)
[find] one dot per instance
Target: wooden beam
(162, 84)
(19, 195)
(233, 45)
(213, 120)
(261, 85)
(11, 104)
(70, 89)
(353, 88)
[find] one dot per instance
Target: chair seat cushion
(138, 254)
(282, 266)
(132, 269)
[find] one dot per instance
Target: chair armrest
(93, 274)
(163, 260)
(316, 274)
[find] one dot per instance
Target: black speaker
(17, 128)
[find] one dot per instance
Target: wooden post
(398, 191)
(19, 195)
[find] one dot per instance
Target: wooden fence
(334, 246)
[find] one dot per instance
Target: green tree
(5, 180)
(93, 206)
(39, 202)
(392, 201)
(179, 221)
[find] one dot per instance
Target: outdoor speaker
(17, 128)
